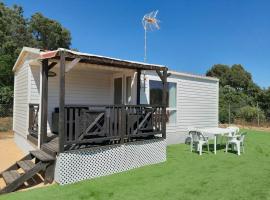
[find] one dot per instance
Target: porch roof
(99, 60)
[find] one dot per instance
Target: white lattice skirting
(74, 166)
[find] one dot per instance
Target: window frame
(169, 80)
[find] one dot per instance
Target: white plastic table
(215, 132)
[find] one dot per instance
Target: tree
(264, 102)
(221, 72)
(238, 94)
(14, 35)
(239, 78)
(231, 100)
(17, 32)
(253, 90)
(48, 34)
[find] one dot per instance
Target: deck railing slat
(118, 123)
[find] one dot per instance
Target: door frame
(123, 75)
(115, 76)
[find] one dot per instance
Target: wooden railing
(105, 124)
(33, 120)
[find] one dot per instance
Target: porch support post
(163, 76)
(61, 125)
(164, 102)
(44, 102)
(138, 86)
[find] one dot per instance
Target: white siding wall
(197, 104)
(83, 87)
(20, 113)
(34, 79)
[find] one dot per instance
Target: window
(128, 90)
(156, 98)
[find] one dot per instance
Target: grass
(185, 176)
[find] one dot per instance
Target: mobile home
(94, 115)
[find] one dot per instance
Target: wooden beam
(51, 65)
(138, 86)
(44, 102)
(160, 75)
(164, 102)
(74, 62)
(99, 60)
(61, 124)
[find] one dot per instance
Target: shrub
(250, 114)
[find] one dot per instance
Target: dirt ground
(247, 127)
(9, 154)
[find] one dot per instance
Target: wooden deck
(51, 147)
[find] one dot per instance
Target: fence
(243, 114)
(6, 112)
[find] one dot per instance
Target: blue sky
(194, 34)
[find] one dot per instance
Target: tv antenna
(150, 23)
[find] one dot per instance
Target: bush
(250, 114)
(6, 95)
(5, 123)
(6, 110)
(223, 115)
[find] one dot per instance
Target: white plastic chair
(234, 130)
(238, 141)
(198, 140)
(189, 137)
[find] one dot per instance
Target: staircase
(36, 162)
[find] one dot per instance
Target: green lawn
(185, 175)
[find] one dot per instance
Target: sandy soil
(9, 154)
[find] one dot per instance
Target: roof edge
(193, 75)
(99, 58)
(23, 53)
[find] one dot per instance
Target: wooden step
(10, 176)
(52, 147)
(26, 165)
(41, 155)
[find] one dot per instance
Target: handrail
(118, 124)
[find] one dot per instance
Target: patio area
(185, 175)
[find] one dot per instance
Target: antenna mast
(150, 23)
